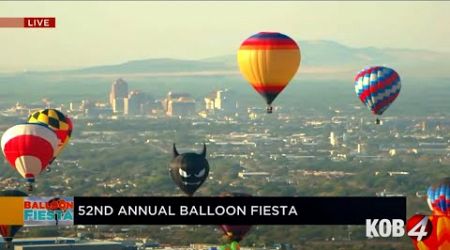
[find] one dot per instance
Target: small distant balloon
(377, 88)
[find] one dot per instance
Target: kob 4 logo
(419, 227)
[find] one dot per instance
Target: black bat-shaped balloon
(189, 170)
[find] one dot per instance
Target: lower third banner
(236, 210)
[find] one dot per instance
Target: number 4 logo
(419, 227)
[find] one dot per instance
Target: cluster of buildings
(136, 102)
(125, 102)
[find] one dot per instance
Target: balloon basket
(378, 122)
(30, 187)
(269, 109)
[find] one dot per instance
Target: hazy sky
(96, 33)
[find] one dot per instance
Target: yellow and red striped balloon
(269, 60)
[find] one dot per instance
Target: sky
(100, 33)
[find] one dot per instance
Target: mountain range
(320, 58)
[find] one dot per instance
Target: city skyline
(121, 31)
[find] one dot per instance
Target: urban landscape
(335, 153)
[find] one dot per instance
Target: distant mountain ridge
(319, 57)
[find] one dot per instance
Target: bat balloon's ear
(175, 152)
(204, 151)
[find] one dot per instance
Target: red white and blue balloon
(377, 87)
(438, 197)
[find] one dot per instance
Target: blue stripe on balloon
(383, 90)
(387, 72)
(393, 84)
(386, 89)
(383, 108)
(270, 35)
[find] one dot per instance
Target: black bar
(310, 210)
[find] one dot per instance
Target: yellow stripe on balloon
(269, 67)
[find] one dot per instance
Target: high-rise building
(361, 148)
(119, 91)
(221, 100)
(333, 139)
(179, 104)
(423, 126)
(134, 103)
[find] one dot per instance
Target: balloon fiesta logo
(48, 211)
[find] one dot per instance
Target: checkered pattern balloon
(58, 122)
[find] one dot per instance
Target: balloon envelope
(29, 148)
(9, 231)
(268, 61)
(438, 197)
(189, 170)
(56, 121)
(235, 233)
(235, 246)
(377, 87)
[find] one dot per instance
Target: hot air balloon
(56, 121)
(189, 170)
(7, 231)
(439, 238)
(269, 60)
(235, 233)
(232, 246)
(235, 245)
(438, 197)
(377, 87)
(28, 149)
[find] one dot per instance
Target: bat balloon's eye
(183, 173)
(200, 174)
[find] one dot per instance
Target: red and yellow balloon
(269, 61)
